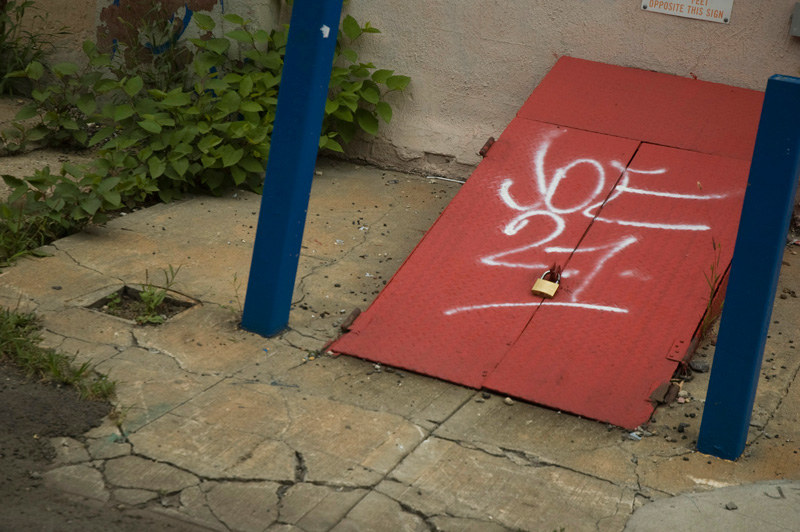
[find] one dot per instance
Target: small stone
(508, 401)
(479, 400)
(700, 366)
(683, 393)
(682, 427)
(731, 506)
(784, 296)
(56, 287)
(486, 395)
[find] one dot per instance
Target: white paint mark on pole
(325, 31)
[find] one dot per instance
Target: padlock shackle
(548, 272)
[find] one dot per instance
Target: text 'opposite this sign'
(713, 10)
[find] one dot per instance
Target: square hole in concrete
(126, 303)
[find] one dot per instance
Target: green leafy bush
(209, 131)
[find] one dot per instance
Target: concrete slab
(139, 473)
(151, 384)
(315, 508)
(378, 512)
(545, 436)
(766, 507)
(421, 400)
(247, 507)
(444, 478)
(82, 480)
(334, 442)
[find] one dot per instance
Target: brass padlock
(544, 288)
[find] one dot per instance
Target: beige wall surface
(473, 63)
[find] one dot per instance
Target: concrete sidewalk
(234, 432)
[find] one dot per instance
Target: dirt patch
(32, 413)
(127, 303)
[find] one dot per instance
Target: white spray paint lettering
(553, 222)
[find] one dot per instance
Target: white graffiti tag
(550, 221)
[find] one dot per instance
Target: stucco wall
(473, 63)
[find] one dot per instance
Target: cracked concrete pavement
(230, 431)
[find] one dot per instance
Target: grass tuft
(19, 344)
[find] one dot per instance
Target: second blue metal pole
(756, 263)
(290, 168)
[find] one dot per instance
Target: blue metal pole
(756, 263)
(290, 168)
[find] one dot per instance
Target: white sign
(713, 10)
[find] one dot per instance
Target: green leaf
(29, 111)
(40, 96)
(261, 36)
(34, 70)
(235, 19)
(150, 125)
(65, 69)
(101, 135)
(204, 22)
(87, 104)
(328, 143)
(369, 29)
(380, 76)
(245, 86)
(133, 86)
(107, 185)
(240, 36)
(251, 164)
(208, 142)
(219, 46)
(343, 113)
(384, 111)
(346, 130)
(250, 107)
(331, 106)
(231, 157)
(367, 121)
(177, 98)
(14, 182)
(350, 55)
(180, 165)
(90, 204)
(37, 133)
(121, 112)
(229, 103)
(370, 95)
(398, 83)
(113, 198)
(156, 165)
(238, 175)
(351, 28)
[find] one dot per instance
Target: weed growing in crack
(114, 301)
(153, 297)
(236, 311)
(712, 280)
